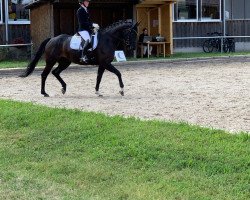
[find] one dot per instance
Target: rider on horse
(85, 27)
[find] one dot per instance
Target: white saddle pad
(75, 42)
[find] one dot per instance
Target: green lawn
(17, 63)
(48, 153)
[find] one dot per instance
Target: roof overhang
(36, 3)
(153, 3)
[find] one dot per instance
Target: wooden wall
(166, 28)
(42, 23)
(143, 17)
(64, 21)
(18, 33)
(2, 34)
(108, 15)
(238, 27)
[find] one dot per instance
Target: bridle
(127, 37)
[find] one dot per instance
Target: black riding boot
(84, 58)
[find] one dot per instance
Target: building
(14, 22)
(196, 18)
(51, 18)
(179, 21)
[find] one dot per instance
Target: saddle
(76, 40)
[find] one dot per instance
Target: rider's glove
(96, 26)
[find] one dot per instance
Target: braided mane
(117, 25)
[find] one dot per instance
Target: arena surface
(211, 93)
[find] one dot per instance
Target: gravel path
(212, 94)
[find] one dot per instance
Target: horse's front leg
(100, 72)
(112, 69)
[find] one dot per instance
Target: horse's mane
(116, 25)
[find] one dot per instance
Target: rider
(85, 27)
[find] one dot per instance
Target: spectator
(145, 46)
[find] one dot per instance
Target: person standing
(85, 27)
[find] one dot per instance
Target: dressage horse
(57, 50)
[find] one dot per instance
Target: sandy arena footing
(213, 94)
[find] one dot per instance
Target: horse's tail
(35, 60)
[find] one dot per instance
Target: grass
(48, 153)
(17, 63)
(23, 64)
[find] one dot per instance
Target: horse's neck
(111, 36)
(117, 35)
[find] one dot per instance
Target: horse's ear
(137, 23)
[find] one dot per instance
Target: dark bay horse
(57, 50)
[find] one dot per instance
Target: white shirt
(84, 8)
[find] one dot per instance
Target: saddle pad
(75, 42)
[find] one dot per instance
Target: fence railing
(19, 45)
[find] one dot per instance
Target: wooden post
(159, 20)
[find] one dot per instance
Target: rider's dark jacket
(83, 20)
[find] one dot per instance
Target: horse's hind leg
(112, 69)
(44, 75)
(63, 64)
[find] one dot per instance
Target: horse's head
(122, 32)
(130, 37)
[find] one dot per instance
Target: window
(17, 13)
(210, 10)
(1, 12)
(197, 10)
(186, 10)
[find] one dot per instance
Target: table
(158, 45)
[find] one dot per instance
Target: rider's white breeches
(85, 35)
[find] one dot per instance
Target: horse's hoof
(45, 95)
(98, 94)
(121, 92)
(63, 90)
